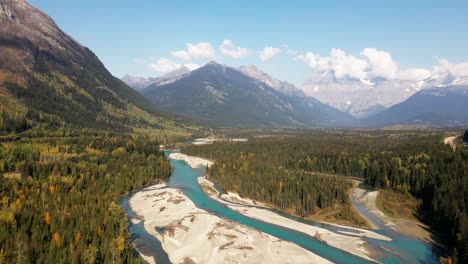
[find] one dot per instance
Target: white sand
(235, 198)
(195, 234)
(135, 221)
(193, 162)
(368, 199)
(406, 226)
(351, 242)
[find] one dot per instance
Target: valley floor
(351, 240)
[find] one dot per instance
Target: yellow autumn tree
(120, 243)
(56, 239)
(47, 217)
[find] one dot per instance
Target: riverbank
(346, 238)
(193, 162)
(189, 234)
(407, 227)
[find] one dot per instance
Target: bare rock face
(25, 31)
(6, 13)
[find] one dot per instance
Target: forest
(59, 194)
(301, 171)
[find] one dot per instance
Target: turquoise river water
(402, 249)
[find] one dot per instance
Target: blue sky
(129, 36)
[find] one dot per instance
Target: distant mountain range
(362, 98)
(440, 106)
(221, 95)
(139, 83)
(245, 96)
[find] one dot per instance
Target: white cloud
(268, 53)
(202, 50)
(164, 65)
(192, 66)
(445, 67)
(376, 63)
(181, 54)
(227, 48)
(381, 63)
(414, 74)
(342, 64)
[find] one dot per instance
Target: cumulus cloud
(414, 74)
(445, 67)
(381, 63)
(269, 52)
(342, 64)
(227, 48)
(164, 65)
(202, 50)
(192, 66)
(374, 63)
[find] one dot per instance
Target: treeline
(59, 194)
(257, 171)
(417, 163)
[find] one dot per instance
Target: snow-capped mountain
(225, 96)
(362, 98)
(284, 87)
(139, 83)
(136, 82)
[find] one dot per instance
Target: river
(409, 250)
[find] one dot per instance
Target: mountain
(440, 106)
(47, 78)
(225, 96)
(283, 87)
(139, 83)
(363, 98)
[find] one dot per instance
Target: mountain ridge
(224, 95)
(439, 106)
(364, 98)
(48, 79)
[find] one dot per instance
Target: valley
(388, 245)
(210, 149)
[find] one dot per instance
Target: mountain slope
(224, 96)
(284, 87)
(442, 106)
(48, 78)
(311, 107)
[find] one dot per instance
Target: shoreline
(403, 226)
(351, 241)
(188, 233)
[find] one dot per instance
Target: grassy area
(398, 205)
(341, 214)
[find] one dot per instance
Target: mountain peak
(213, 63)
(283, 87)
